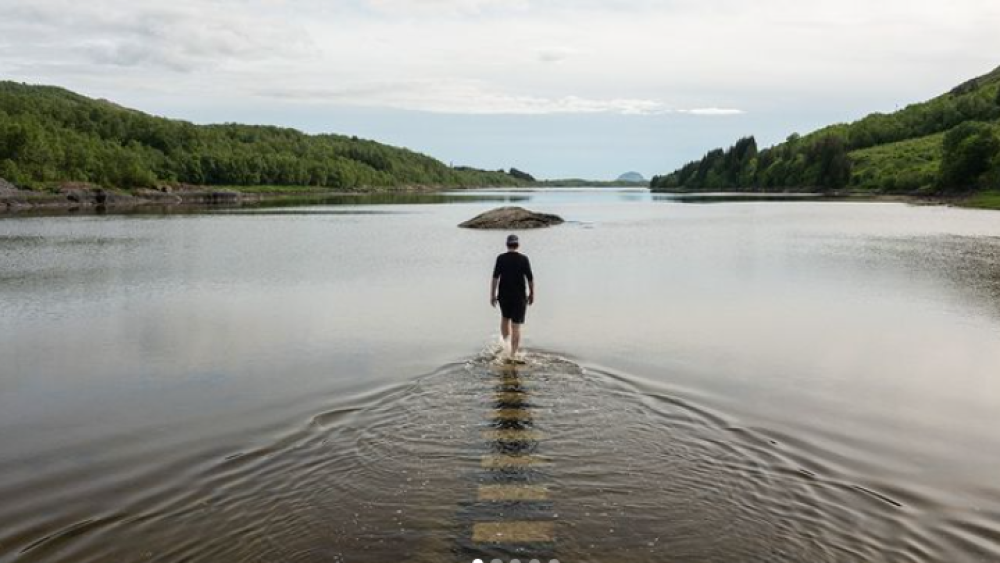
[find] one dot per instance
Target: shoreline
(981, 200)
(92, 199)
(86, 198)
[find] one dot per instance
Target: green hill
(947, 145)
(49, 135)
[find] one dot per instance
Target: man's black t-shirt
(513, 268)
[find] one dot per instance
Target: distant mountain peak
(632, 177)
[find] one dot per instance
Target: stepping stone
(510, 397)
(512, 493)
(512, 435)
(506, 461)
(513, 532)
(509, 414)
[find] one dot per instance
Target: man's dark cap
(512, 240)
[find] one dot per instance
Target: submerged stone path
(513, 514)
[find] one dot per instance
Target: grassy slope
(910, 165)
(937, 115)
(983, 200)
(902, 167)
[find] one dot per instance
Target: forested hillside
(950, 144)
(50, 135)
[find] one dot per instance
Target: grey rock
(105, 197)
(79, 196)
(7, 187)
(512, 218)
(224, 196)
(158, 196)
(82, 193)
(79, 192)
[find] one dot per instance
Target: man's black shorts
(514, 309)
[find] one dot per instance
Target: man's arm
(495, 282)
(531, 281)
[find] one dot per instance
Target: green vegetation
(898, 168)
(520, 175)
(983, 200)
(971, 156)
(949, 145)
(49, 135)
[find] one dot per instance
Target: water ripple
(641, 475)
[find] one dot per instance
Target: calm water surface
(720, 381)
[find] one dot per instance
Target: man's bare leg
(515, 339)
(505, 329)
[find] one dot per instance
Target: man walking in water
(509, 275)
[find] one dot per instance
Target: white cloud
(438, 8)
(474, 99)
(631, 57)
(181, 35)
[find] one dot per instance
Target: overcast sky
(559, 88)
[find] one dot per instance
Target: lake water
(709, 381)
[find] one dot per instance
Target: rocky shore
(74, 197)
(71, 196)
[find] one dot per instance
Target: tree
(828, 156)
(736, 160)
(706, 166)
(520, 175)
(969, 151)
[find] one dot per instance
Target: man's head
(512, 242)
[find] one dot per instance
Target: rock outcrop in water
(512, 218)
